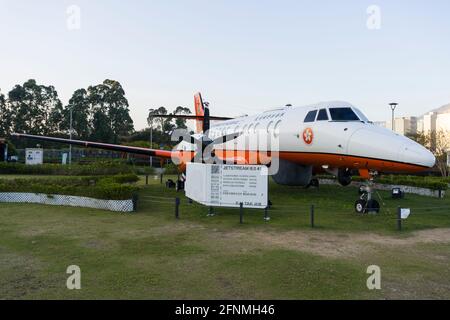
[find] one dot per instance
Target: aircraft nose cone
(417, 154)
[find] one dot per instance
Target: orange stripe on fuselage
(315, 159)
(318, 160)
(349, 161)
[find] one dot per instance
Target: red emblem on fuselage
(308, 136)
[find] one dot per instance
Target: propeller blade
(190, 139)
(206, 120)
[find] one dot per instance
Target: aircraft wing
(189, 117)
(106, 146)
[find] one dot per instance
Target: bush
(429, 182)
(121, 179)
(171, 169)
(110, 188)
(93, 169)
(434, 183)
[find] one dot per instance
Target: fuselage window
(311, 116)
(343, 114)
(276, 129)
(269, 126)
(322, 115)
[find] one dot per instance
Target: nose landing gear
(365, 203)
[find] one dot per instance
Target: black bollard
(266, 214)
(312, 216)
(177, 208)
(241, 213)
(399, 219)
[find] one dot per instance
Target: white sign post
(34, 156)
(225, 185)
(64, 158)
(404, 213)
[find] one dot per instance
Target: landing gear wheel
(361, 206)
(362, 190)
(314, 183)
(180, 185)
(373, 206)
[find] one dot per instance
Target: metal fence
(311, 213)
(72, 201)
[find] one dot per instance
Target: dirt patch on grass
(337, 245)
(18, 275)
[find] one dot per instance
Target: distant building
(402, 125)
(405, 125)
(438, 119)
(420, 124)
(433, 121)
(429, 121)
(381, 123)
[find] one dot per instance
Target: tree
(56, 119)
(79, 103)
(420, 137)
(118, 108)
(31, 106)
(51, 109)
(101, 126)
(181, 123)
(156, 122)
(439, 144)
(109, 111)
(5, 117)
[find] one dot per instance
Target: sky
(244, 56)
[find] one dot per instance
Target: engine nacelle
(293, 174)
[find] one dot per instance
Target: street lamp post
(151, 138)
(393, 105)
(70, 136)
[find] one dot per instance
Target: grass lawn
(151, 255)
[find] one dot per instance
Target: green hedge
(100, 168)
(434, 183)
(171, 169)
(429, 182)
(118, 187)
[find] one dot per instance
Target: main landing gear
(179, 185)
(365, 203)
(180, 182)
(313, 183)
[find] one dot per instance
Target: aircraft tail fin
(199, 111)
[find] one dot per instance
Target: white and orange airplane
(330, 136)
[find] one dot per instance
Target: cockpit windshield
(343, 114)
(361, 115)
